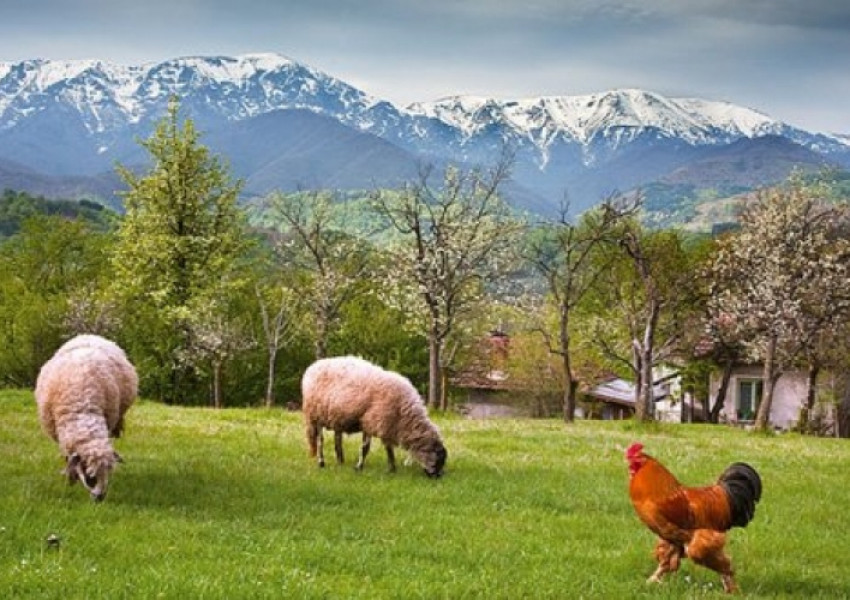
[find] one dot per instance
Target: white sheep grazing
(348, 394)
(83, 393)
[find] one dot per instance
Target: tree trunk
(843, 415)
(434, 370)
(811, 396)
(569, 387)
(271, 378)
(217, 403)
(720, 398)
(644, 389)
(444, 386)
(648, 390)
(645, 392)
(570, 400)
(648, 358)
(321, 345)
(570, 384)
(770, 376)
(637, 356)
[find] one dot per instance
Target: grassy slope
(227, 505)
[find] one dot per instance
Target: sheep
(83, 393)
(348, 394)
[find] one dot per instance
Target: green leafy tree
(378, 332)
(314, 236)
(177, 254)
(282, 312)
(562, 252)
(644, 304)
(45, 270)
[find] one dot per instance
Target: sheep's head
(93, 472)
(432, 456)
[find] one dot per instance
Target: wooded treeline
(223, 303)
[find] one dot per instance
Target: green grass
(226, 504)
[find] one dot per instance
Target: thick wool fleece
(349, 394)
(82, 393)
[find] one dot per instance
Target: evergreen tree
(176, 255)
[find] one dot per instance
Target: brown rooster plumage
(691, 522)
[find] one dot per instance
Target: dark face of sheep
(433, 458)
(95, 478)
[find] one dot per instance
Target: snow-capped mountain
(616, 117)
(284, 124)
(108, 97)
(584, 118)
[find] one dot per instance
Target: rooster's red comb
(634, 450)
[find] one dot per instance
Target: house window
(749, 397)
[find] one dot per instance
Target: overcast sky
(787, 58)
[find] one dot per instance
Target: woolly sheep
(348, 394)
(83, 393)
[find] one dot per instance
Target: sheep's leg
(390, 457)
(320, 445)
(118, 429)
(340, 458)
(364, 450)
(314, 441)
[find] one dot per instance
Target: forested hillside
(16, 207)
(223, 304)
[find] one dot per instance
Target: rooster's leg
(669, 557)
(706, 549)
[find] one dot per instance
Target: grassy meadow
(227, 504)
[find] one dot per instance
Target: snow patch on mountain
(586, 117)
(107, 95)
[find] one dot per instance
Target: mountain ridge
(78, 118)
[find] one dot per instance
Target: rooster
(691, 522)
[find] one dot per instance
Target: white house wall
(788, 395)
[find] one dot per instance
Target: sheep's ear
(117, 457)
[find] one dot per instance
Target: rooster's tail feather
(743, 487)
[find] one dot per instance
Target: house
(744, 394)
(614, 398)
(486, 385)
